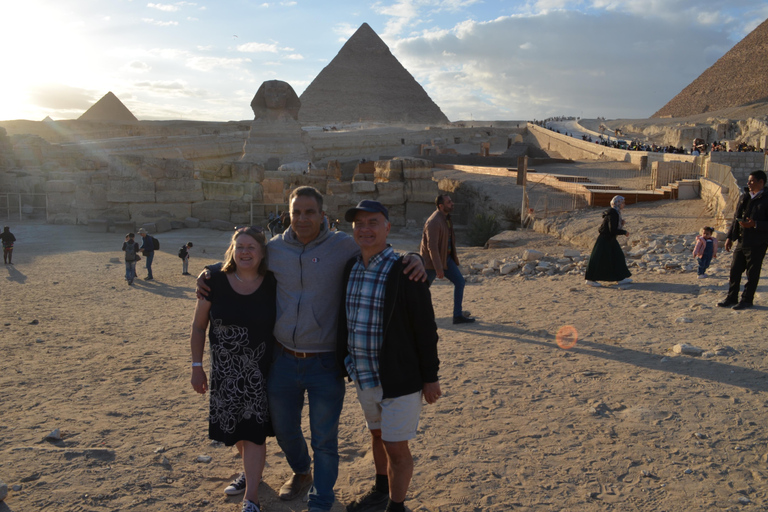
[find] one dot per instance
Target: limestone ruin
(111, 172)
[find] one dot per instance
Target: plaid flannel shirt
(365, 316)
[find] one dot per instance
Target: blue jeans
(704, 262)
(320, 378)
(149, 256)
(453, 274)
(130, 270)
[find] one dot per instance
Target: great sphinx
(276, 137)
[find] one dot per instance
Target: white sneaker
(592, 283)
(625, 281)
(237, 486)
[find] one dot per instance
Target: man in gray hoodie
(308, 262)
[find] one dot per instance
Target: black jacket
(755, 209)
(408, 357)
(610, 227)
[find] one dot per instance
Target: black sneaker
(726, 303)
(462, 320)
(237, 486)
(742, 305)
(372, 501)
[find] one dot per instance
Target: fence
(664, 173)
(26, 206)
(722, 175)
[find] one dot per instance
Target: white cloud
(211, 63)
(258, 48)
(138, 67)
(295, 56)
(160, 23)
(579, 65)
(164, 7)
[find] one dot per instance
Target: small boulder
(532, 255)
(685, 348)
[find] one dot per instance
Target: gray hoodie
(309, 287)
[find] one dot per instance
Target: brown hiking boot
(295, 486)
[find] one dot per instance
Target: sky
(477, 59)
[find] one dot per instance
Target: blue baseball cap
(366, 205)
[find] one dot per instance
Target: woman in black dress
(241, 312)
(607, 261)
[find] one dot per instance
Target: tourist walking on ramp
(148, 250)
(438, 248)
(387, 345)
(241, 308)
(749, 230)
(607, 261)
(131, 250)
(705, 250)
(8, 239)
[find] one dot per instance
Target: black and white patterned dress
(241, 340)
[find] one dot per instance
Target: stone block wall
(741, 164)
(576, 149)
(405, 198)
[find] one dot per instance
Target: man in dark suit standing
(750, 231)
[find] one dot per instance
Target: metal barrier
(26, 205)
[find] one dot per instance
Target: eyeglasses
(256, 229)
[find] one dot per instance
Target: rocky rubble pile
(654, 253)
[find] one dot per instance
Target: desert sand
(618, 422)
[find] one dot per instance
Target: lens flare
(566, 337)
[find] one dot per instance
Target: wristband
(196, 364)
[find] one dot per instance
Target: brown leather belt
(300, 355)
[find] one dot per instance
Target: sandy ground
(617, 423)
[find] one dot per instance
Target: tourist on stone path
(749, 230)
(241, 305)
(607, 261)
(131, 250)
(148, 250)
(387, 345)
(438, 248)
(308, 261)
(7, 239)
(705, 250)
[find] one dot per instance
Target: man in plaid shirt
(388, 346)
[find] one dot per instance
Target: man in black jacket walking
(750, 231)
(387, 344)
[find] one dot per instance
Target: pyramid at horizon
(738, 78)
(108, 108)
(365, 82)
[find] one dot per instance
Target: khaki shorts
(398, 418)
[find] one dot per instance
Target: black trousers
(751, 260)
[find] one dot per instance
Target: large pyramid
(365, 82)
(738, 78)
(108, 108)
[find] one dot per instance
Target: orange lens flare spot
(566, 337)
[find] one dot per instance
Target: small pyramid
(108, 108)
(738, 78)
(48, 119)
(366, 82)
